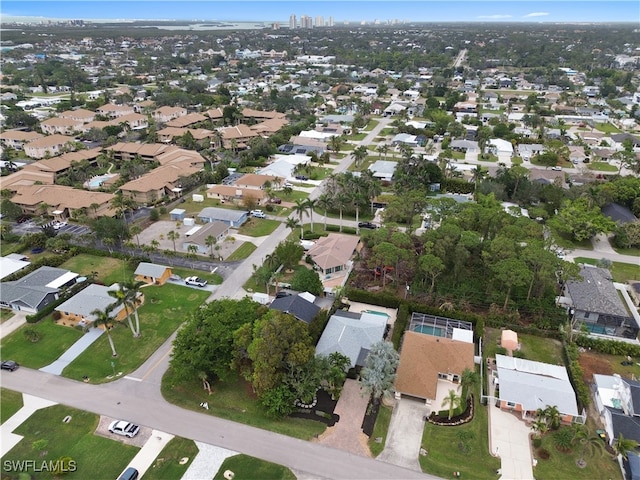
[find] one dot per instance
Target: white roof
(307, 296)
(462, 335)
(501, 145)
(11, 265)
(61, 280)
(535, 385)
(193, 230)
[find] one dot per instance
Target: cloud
(495, 17)
(537, 14)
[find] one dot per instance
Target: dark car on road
(370, 225)
(9, 365)
(302, 177)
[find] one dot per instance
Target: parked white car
(124, 428)
(195, 281)
(257, 214)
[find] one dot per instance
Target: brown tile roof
(25, 177)
(80, 114)
(254, 180)
(166, 110)
(251, 113)
(19, 135)
(59, 196)
(198, 133)
(231, 191)
(57, 164)
(60, 122)
(215, 229)
(270, 126)
(239, 131)
(333, 250)
(144, 149)
(50, 141)
(215, 113)
(158, 178)
(181, 156)
(423, 356)
(187, 120)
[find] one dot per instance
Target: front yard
(258, 227)
(10, 403)
(168, 465)
(248, 468)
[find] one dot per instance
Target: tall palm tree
(299, 209)
(453, 400)
(468, 380)
(293, 223)
(310, 205)
(121, 299)
(359, 154)
(103, 318)
(132, 299)
(211, 242)
(324, 201)
(342, 199)
(173, 236)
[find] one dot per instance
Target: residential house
(115, 111)
(165, 180)
(169, 134)
(77, 311)
(60, 165)
(166, 114)
(180, 156)
(232, 193)
(135, 121)
(332, 254)
(80, 115)
(619, 213)
(464, 146)
(48, 146)
(577, 154)
(618, 402)
(547, 177)
(186, 120)
(152, 273)
(352, 334)
(12, 263)
(35, 290)
(22, 178)
(62, 202)
(529, 150)
(237, 136)
(383, 169)
(524, 386)
(254, 181)
(298, 306)
(269, 127)
(405, 139)
(429, 363)
(260, 115)
(61, 125)
(233, 218)
(124, 151)
(595, 304)
(17, 139)
(203, 235)
(215, 113)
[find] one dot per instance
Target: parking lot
(31, 227)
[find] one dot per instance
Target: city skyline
(594, 11)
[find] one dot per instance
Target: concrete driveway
(405, 434)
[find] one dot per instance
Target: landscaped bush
(373, 298)
(609, 347)
(336, 228)
(400, 325)
(571, 355)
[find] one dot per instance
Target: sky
(351, 10)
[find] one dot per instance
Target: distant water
(210, 26)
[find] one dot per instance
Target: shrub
(31, 334)
(154, 215)
(537, 442)
(543, 454)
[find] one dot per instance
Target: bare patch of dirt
(593, 363)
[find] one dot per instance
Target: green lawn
(249, 468)
(621, 272)
(488, 158)
(6, 314)
(628, 251)
(564, 241)
(10, 403)
(516, 160)
(165, 308)
(167, 464)
(95, 456)
(447, 453)
(235, 401)
(602, 167)
(357, 136)
(380, 430)
(258, 227)
(388, 131)
(561, 465)
(607, 128)
(534, 348)
(108, 270)
(291, 197)
(371, 125)
(212, 278)
(54, 341)
(242, 252)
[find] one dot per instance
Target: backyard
(539, 349)
(95, 456)
(106, 270)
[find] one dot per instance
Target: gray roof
(222, 214)
(385, 167)
(596, 293)
(618, 213)
(94, 297)
(215, 229)
(535, 384)
(152, 270)
(42, 276)
(350, 336)
(297, 306)
(30, 296)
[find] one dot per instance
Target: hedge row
(336, 228)
(571, 355)
(609, 347)
(400, 325)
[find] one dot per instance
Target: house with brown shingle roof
(217, 230)
(332, 254)
(25, 177)
(232, 193)
(424, 359)
(166, 113)
(261, 115)
(51, 145)
(16, 139)
(80, 115)
(114, 111)
(63, 126)
(135, 121)
(254, 181)
(164, 180)
(186, 120)
(215, 113)
(62, 201)
(60, 165)
(239, 133)
(168, 134)
(181, 156)
(269, 126)
(123, 151)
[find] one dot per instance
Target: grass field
(371, 125)
(165, 308)
(107, 270)
(212, 278)
(234, 400)
(6, 314)
(607, 128)
(380, 430)
(10, 403)
(463, 448)
(54, 341)
(621, 272)
(258, 227)
(242, 252)
(167, 464)
(249, 468)
(95, 456)
(534, 348)
(602, 167)
(564, 241)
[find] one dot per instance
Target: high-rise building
(319, 21)
(292, 22)
(306, 21)
(331, 21)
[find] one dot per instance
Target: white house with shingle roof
(78, 309)
(233, 218)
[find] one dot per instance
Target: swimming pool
(429, 330)
(373, 312)
(96, 182)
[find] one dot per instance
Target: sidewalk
(73, 352)
(150, 451)
(14, 323)
(8, 439)
(207, 462)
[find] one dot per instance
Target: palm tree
(453, 400)
(293, 223)
(539, 426)
(552, 415)
(359, 154)
(342, 199)
(121, 299)
(103, 317)
(133, 294)
(468, 379)
(135, 231)
(211, 242)
(324, 201)
(310, 205)
(588, 442)
(622, 446)
(173, 236)
(299, 209)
